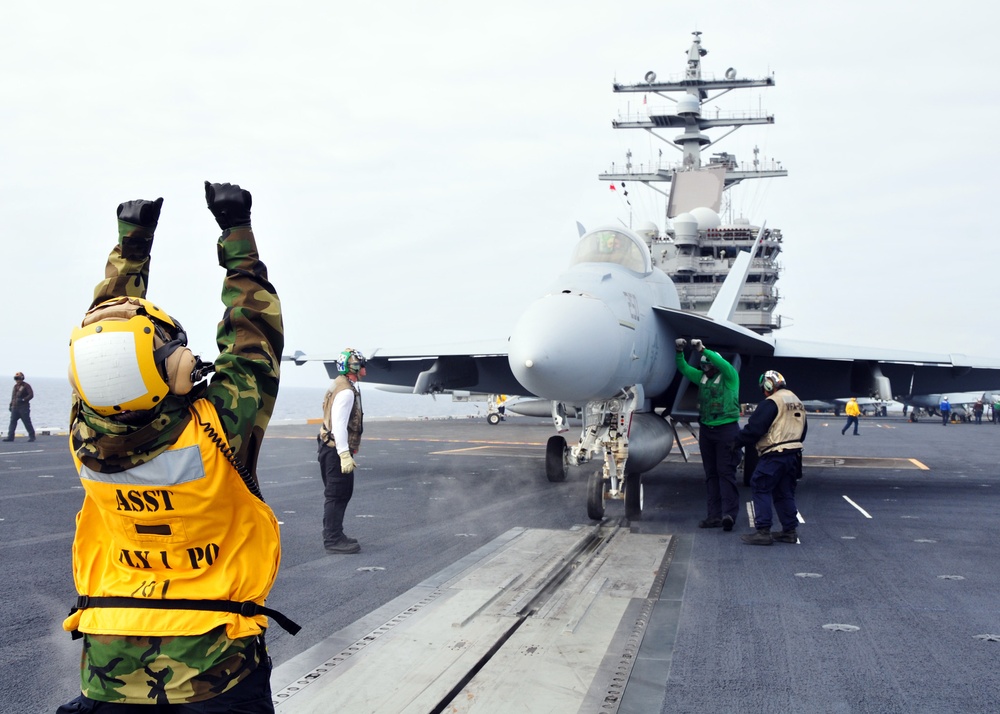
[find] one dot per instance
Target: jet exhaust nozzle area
(565, 347)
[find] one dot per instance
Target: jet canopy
(610, 245)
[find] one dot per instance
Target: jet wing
(723, 337)
(480, 367)
(817, 370)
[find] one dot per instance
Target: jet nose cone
(564, 347)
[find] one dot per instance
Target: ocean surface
(50, 407)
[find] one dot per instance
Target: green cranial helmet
(351, 361)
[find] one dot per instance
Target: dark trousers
(338, 488)
(251, 696)
(720, 462)
(774, 480)
(945, 416)
(850, 419)
(23, 413)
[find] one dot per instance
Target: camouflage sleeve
(251, 339)
(127, 271)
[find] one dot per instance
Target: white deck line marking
(751, 514)
(863, 511)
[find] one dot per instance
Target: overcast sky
(418, 168)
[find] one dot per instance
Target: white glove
(680, 343)
(698, 345)
(347, 463)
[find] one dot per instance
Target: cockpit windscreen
(611, 246)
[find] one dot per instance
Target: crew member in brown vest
(339, 440)
(777, 429)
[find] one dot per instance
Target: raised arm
(250, 336)
(127, 271)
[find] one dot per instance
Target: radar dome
(648, 228)
(685, 229)
(688, 104)
(707, 218)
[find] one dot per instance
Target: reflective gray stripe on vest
(168, 469)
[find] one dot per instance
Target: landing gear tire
(555, 459)
(633, 496)
(493, 419)
(595, 496)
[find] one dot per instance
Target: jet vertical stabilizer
(728, 298)
(717, 328)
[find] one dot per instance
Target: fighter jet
(601, 342)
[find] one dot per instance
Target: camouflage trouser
(251, 696)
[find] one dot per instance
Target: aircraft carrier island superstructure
(697, 248)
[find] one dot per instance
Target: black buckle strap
(247, 609)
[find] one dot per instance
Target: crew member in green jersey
(718, 427)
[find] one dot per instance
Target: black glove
(140, 212)
(229, 203)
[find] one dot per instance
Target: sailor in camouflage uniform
(175, 549)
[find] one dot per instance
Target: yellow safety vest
(183, 526)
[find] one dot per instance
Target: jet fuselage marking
(633, 304)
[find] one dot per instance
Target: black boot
(342, 546)
(762, 536)
(785, 536)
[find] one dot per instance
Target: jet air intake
(649, 440)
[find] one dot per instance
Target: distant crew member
(339, 440)
(20, 408)
(996, 410)
(945, 409)
(718, 426)
(977, 411)
(853, 412)
(776, 429)
(175, 550)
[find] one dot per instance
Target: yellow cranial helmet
(127, 355)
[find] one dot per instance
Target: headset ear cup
(72, 383)
(179, 365)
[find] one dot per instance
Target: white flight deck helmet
(771, 381)
(127, 355)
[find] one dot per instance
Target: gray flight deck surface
(888, 604)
